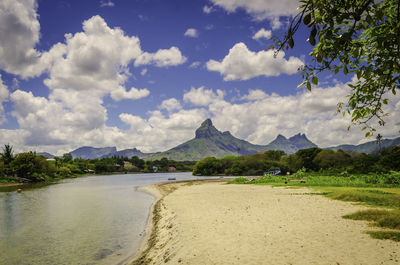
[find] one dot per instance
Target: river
(88, 220)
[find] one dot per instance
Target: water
(90, 220)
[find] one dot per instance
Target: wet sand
(216, 223)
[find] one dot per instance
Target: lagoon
(89, 220)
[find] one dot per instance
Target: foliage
(239, 180)
(31, 166)
(392, 235)
(7, 156)
(359, 37)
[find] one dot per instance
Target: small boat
(171, 178)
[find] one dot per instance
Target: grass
(391, 235)
(381, 218)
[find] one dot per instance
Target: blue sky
(145, 73)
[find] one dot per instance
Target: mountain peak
(280, 137)
(207, 130)
(206, 123)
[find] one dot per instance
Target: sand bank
(215, 223)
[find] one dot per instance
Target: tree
(352, 36)
(7, 156)
(67, 157)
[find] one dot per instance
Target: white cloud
(160, 132)
(133, 93)
(143, 72)
(104, 3)
(276, 23)
(262, 34)
(3, 97)
(162, 58)
(19, 33)
(260, 9)
(208, 9)
(195, 64)
(202, 97)
(191, 32)
(254, 94)
(82, 71)
(171, 105)
(243, 64)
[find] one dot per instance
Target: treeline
(30, 167)
(311, 159)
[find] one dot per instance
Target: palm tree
(379, 141)
(7, 156)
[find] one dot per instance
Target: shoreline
(159, 192)
(292, 226)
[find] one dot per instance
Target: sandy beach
(216, 223)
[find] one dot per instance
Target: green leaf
(307, 19)
(302, 84)
(291, 42)
(385, 101)
(312, 40)
(314, 80)
(309, 86)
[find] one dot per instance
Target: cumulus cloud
(254, 94)
(170, 104)
(3, 97)
(19, 33)
(262, 34)
(191, 32)
(160, 132)
(260, 10)
(84, 69)
(202, 97)
(133, 93)
(243, 64)
(162, 58)
(143, 72)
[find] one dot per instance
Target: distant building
(172, 169)
(155, 169)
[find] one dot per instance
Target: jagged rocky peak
(207, 130)
(280, 137)
(299, 136)
(227, 133)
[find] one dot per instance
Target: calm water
(91, 220)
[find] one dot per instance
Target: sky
(146, 73)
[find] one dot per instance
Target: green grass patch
(391, 235)
(239, 180)
(381, 218)
(377, 198)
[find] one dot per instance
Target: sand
(216, 223)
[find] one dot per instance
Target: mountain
(209, 141)
(291, 145)
(45, 154)
(128, 153)
(88, 152)
(369, 147)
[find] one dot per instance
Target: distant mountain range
(209, 141)
(88, 152)
(369, 147)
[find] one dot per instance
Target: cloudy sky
(146, 73)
